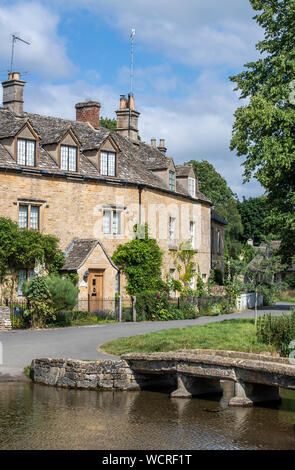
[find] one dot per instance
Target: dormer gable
(24, 145)
(65, 151)
(186, 176)
(105, 159)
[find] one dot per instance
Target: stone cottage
(89, 186)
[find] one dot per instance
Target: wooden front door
(95, 289)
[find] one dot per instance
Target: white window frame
(30, 219)
(68, 160)
(108, 161)
(24, 275)
(112, 226)
(171, 228)
(172, 180)
(26, 155)
(192, 187)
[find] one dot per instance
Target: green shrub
(152, 304)
(290, 280)
(40, 309)
(277, 331)
(63, 293)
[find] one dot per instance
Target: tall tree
(254, 212)
(215, 188)
(264, 128)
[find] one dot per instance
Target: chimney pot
(162, 147)
(88, 112)
(127, 118)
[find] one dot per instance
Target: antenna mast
(14, 39)
(132, 36)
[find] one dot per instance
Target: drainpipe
(139, 203)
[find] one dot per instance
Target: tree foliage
(141, 262)
(20, 248)
(254, 212)
(215, 188)
(108, 123)
(263, 131)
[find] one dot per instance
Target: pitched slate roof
(218, 218)
(135, 162)
(79, 250)
(77, 253)
(183, 170)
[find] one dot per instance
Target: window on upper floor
(171, 228)
(29, 216)
(26, 152)
(111, 222)
(218, 242)
(68, 158)
(192, 187)
(172, 180)
(107, 163)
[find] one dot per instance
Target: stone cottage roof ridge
(135, 162)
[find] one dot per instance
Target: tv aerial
(14, 39)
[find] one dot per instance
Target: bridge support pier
(246, 394)
(188, 386)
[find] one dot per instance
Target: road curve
(21, 346)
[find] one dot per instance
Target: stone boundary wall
(5, 322)
(70, 373)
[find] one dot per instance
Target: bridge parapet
(250, 377)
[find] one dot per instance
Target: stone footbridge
(243, 378)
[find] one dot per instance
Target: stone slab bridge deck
(242, 378)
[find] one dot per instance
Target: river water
(38, 417)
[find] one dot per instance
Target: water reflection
(40, 417)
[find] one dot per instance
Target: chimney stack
(88, 112)
(153, 143)
(13, 89)
(250, 242)
(162, 147)
(127, 118)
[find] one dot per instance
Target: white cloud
(60, 100)
(37, 24)
(194, 32)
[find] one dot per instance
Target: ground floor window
(23, 276)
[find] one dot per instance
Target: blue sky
(184, 53)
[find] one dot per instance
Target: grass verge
(233, 335)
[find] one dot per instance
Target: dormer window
(107, 163)
(68, 158)
(172, 180)
(26, 152)
(192, 187)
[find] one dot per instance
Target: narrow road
(21, 346)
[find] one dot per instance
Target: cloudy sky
(184, 53)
